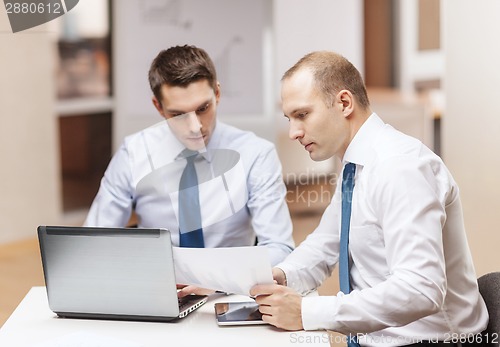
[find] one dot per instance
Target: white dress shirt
(242, 193)
(410, 265)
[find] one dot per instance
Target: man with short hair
(394, 226)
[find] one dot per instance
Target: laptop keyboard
(190, 303)
(183, 303)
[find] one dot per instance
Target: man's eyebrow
(197, 107)
(290, 114)
(297, 110)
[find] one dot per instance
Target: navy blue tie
(190, 231)
(347, 188)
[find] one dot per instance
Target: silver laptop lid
(117, 273)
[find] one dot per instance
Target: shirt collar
(360, 150)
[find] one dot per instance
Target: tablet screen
(238, 313)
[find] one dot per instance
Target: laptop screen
(120, 273)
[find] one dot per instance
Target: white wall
(414, 65)
(301, 27)
(29, 184)
(471, 124)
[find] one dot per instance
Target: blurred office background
(71, 89)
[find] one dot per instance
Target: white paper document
(231, 270)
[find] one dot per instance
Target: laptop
(112, 273)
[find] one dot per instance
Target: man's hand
(185, 290)
(279, 305)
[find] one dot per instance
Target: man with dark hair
(394, 225)
(210, 184)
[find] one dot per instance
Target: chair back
(489, 287)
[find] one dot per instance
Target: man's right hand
(185, 290)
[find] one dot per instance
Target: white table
(33, 324)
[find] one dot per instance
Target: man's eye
(302, 115)
(174, 114)
(203, 109)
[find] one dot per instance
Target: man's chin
(195, 145)
(317, 156)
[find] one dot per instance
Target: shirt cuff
(318, 313)
(292, 278)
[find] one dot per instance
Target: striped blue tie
(347, 188)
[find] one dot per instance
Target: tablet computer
(238, 313)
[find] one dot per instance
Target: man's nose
(194, 122)
(295, 131)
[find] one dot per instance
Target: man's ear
(217, 93)
(345, 100)
(158, 106)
